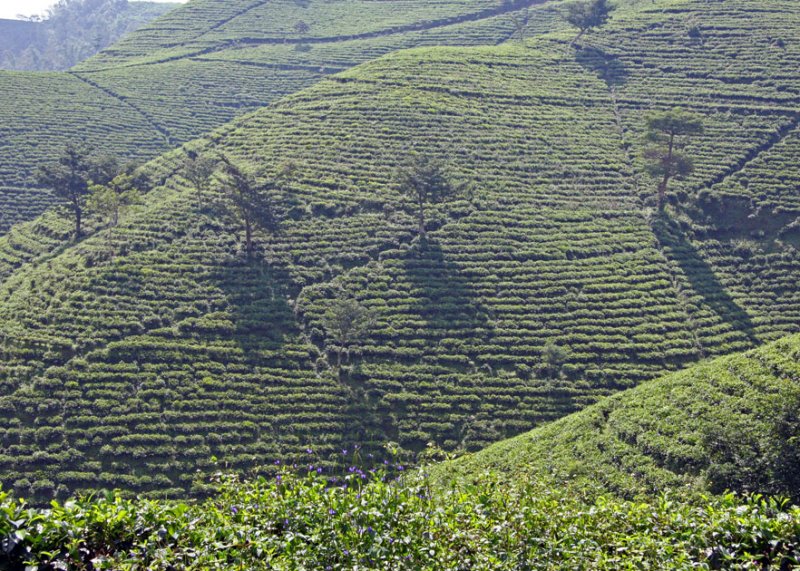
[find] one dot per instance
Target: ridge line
(513, 6)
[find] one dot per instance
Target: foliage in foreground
(365, 521)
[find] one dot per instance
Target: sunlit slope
(731, 423)
(39, 114)
(737, 231)
(551, 284)
(206, 62)
(206, 26)
(151, 344)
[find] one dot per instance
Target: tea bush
(364, 521)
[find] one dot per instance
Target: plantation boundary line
(325, 69)
(162, 131)
(780, 135)
(224, 21)
(415, 27)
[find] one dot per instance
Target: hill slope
(207, 62)
(731, 423)
(132, 357)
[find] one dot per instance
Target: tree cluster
(97, 183)
(74, 30)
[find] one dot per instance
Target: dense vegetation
(209, 61)
(72, 31)
(361, 521)
(547, 282)
(732, 423)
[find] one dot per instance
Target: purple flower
(309, 451)
(234, 510)
(331, 511)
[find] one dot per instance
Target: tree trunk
(78, 216)
(662, 187)
(248, 237)
(578, 37)
(422, 232)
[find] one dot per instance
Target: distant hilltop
(75, 30)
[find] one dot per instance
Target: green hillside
(728, 424)
(134, 356)
(209, 61)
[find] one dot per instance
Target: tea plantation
(209, 61)
(132, 358)
(728, 424)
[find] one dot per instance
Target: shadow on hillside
(607, 67)
(443, 297)
(258, 304)
(702, 278)
(267, 331)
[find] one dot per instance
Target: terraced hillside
(209, 61)
(133, 357)
(728, 424)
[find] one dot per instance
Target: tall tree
(346, 322)
(250, 201)
(70, 177)
(111, 199)
(668, 133)
(199, 169)
(587, 15)
(426, 181)
(520, 20)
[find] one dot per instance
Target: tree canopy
(73, 173)
(249, 200)
(346, 322)
(426, 181)
(668, 133)
(588, 15)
